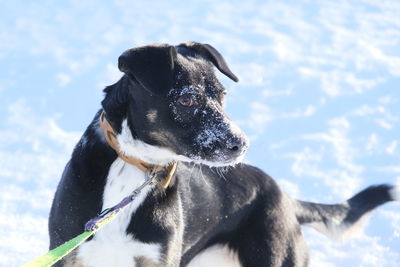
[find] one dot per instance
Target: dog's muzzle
(225, 149)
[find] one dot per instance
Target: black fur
(240, 206)
(80, 190)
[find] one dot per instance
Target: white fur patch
(148, 153)
(217, 255)
(395, 193)
(111, 246)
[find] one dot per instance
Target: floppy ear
(210, 53)
(151, 66)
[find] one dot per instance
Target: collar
(112, 141)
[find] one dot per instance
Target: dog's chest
(112, 246)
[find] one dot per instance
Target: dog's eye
(187, 100)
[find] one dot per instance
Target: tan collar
(112, 140)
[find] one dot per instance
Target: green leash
(91, 227)
(60, 252)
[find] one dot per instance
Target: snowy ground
(318, 96)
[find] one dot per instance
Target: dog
(168, 107)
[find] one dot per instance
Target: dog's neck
(111, 138)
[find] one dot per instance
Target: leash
(109, 214)
(91, 227)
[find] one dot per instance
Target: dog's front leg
(159, 221)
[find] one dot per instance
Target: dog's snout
(235, 144)
(226, 148)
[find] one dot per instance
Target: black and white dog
(168, 107)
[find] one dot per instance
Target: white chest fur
(111, 246)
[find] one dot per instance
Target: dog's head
(169, 106)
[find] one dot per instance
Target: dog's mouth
(217, 159)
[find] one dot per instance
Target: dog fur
(168, 107)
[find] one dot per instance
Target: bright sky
(318, 95)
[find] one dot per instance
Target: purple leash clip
(92, 224)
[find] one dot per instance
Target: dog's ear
(210, 53)
(151, 66)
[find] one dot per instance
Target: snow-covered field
(318, 96)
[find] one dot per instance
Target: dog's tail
(338, 220)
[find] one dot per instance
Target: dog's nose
(225, 150)
(235, 144)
